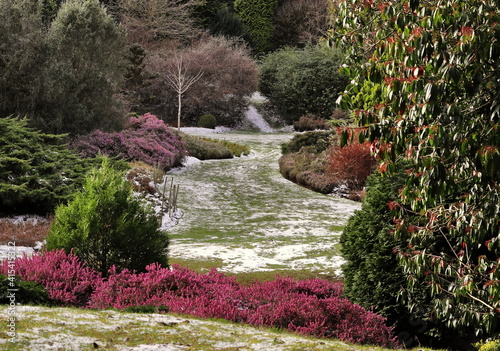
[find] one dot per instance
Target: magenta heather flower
(146, 138)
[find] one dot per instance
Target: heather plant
(105, 225)
(320, 140)
(69, 282)
(312, 306)
(145, 139)
(306, 168)
(236, 149)
(26, 293)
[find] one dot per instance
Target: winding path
(244, 216)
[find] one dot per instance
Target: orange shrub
(350, 165)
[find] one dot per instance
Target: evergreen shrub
(37, 171)
(372, 274)
(258, 18)
(303, 81)
(27, 293)
(207, 121)
(106, 225)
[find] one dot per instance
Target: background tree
(23, 56)
(85, 70)
(438, 106)
(157, 23)
(302, 81)
(62, 75)
(229, 75)
(258, 18)
(179, 80)
(300, 23)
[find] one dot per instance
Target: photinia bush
(350, 165)
(311, 307)
(146, 138)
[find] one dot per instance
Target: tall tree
(425, 77)
(63, 75)
(153, 23)
(85, 69)
(258, 18)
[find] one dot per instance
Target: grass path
(43, 328)
(241, 215)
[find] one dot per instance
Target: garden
(381, 224)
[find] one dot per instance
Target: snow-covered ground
(242, 214)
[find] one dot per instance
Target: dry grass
(24, 231)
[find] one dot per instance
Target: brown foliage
(154, 23)
(24, 232)
(350, 165)
(311, 122)
(228, 75)
(301, 22)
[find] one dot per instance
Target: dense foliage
(312, 307)
(310, 122)
(299, 23)
(372, 274)
(350, 165)
(302, 81)
(26, 292)
(106, 225)
(37, 172)
(63, 75)
(258, 18)
(145, 139)
(425, 87)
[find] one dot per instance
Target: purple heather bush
(311, 307)
(146, 138)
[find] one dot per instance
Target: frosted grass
(243, 213)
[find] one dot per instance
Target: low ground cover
(310, 307)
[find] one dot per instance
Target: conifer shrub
(106, 225)
(145, 139)
(26, 293)
(258, 18)
(207, 121)
(372, 274)
(37, 171)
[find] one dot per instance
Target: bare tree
(180, 80)
(152, 23)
